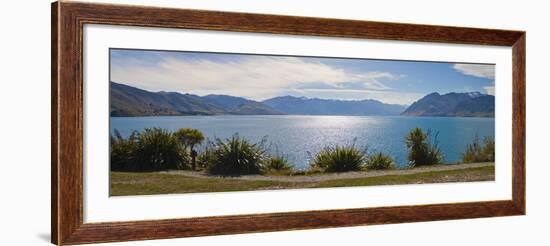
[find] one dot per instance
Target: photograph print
(195, 122)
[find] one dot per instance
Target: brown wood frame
(68, 20)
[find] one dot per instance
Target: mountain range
(131, 101)
(472, 104)
(316, 106)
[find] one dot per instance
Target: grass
(125, 183)
(463, 175)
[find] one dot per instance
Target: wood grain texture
(67, 124)
(518, 123)
(146, 230)
(54, 125)
(261, 23)
(68, 19)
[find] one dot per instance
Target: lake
(299, 137)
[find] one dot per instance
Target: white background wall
(25, 122)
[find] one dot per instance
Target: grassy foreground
(128, 183)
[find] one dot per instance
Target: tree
(189, 138)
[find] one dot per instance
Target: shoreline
(376, 115)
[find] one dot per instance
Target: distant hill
(130, 101)
(315, 106)
(239, 105)
(472, 104)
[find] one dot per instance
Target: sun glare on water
(340, 121)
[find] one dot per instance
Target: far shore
(381, 115)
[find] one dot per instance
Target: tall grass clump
(489, 148)
(339, 159)
(236, 156)
(206, 156)
(123, 151)
(150, 150)
(278, 164)
(158, 149)
(422, 151)
(379, 161)
(480, 152)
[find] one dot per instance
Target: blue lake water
(299, 137)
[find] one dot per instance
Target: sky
(260, 77)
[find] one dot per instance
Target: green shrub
(207, 156)
(236, 156)
(278, 164)
(339, 159)
(379, 161)
(421, 150)
(122, 151)
(158, 149)
(489, 148)
(476, 152)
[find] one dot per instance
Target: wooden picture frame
(68, 20)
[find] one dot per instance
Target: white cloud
(476, 70)
(489, 90)
(252, 77)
